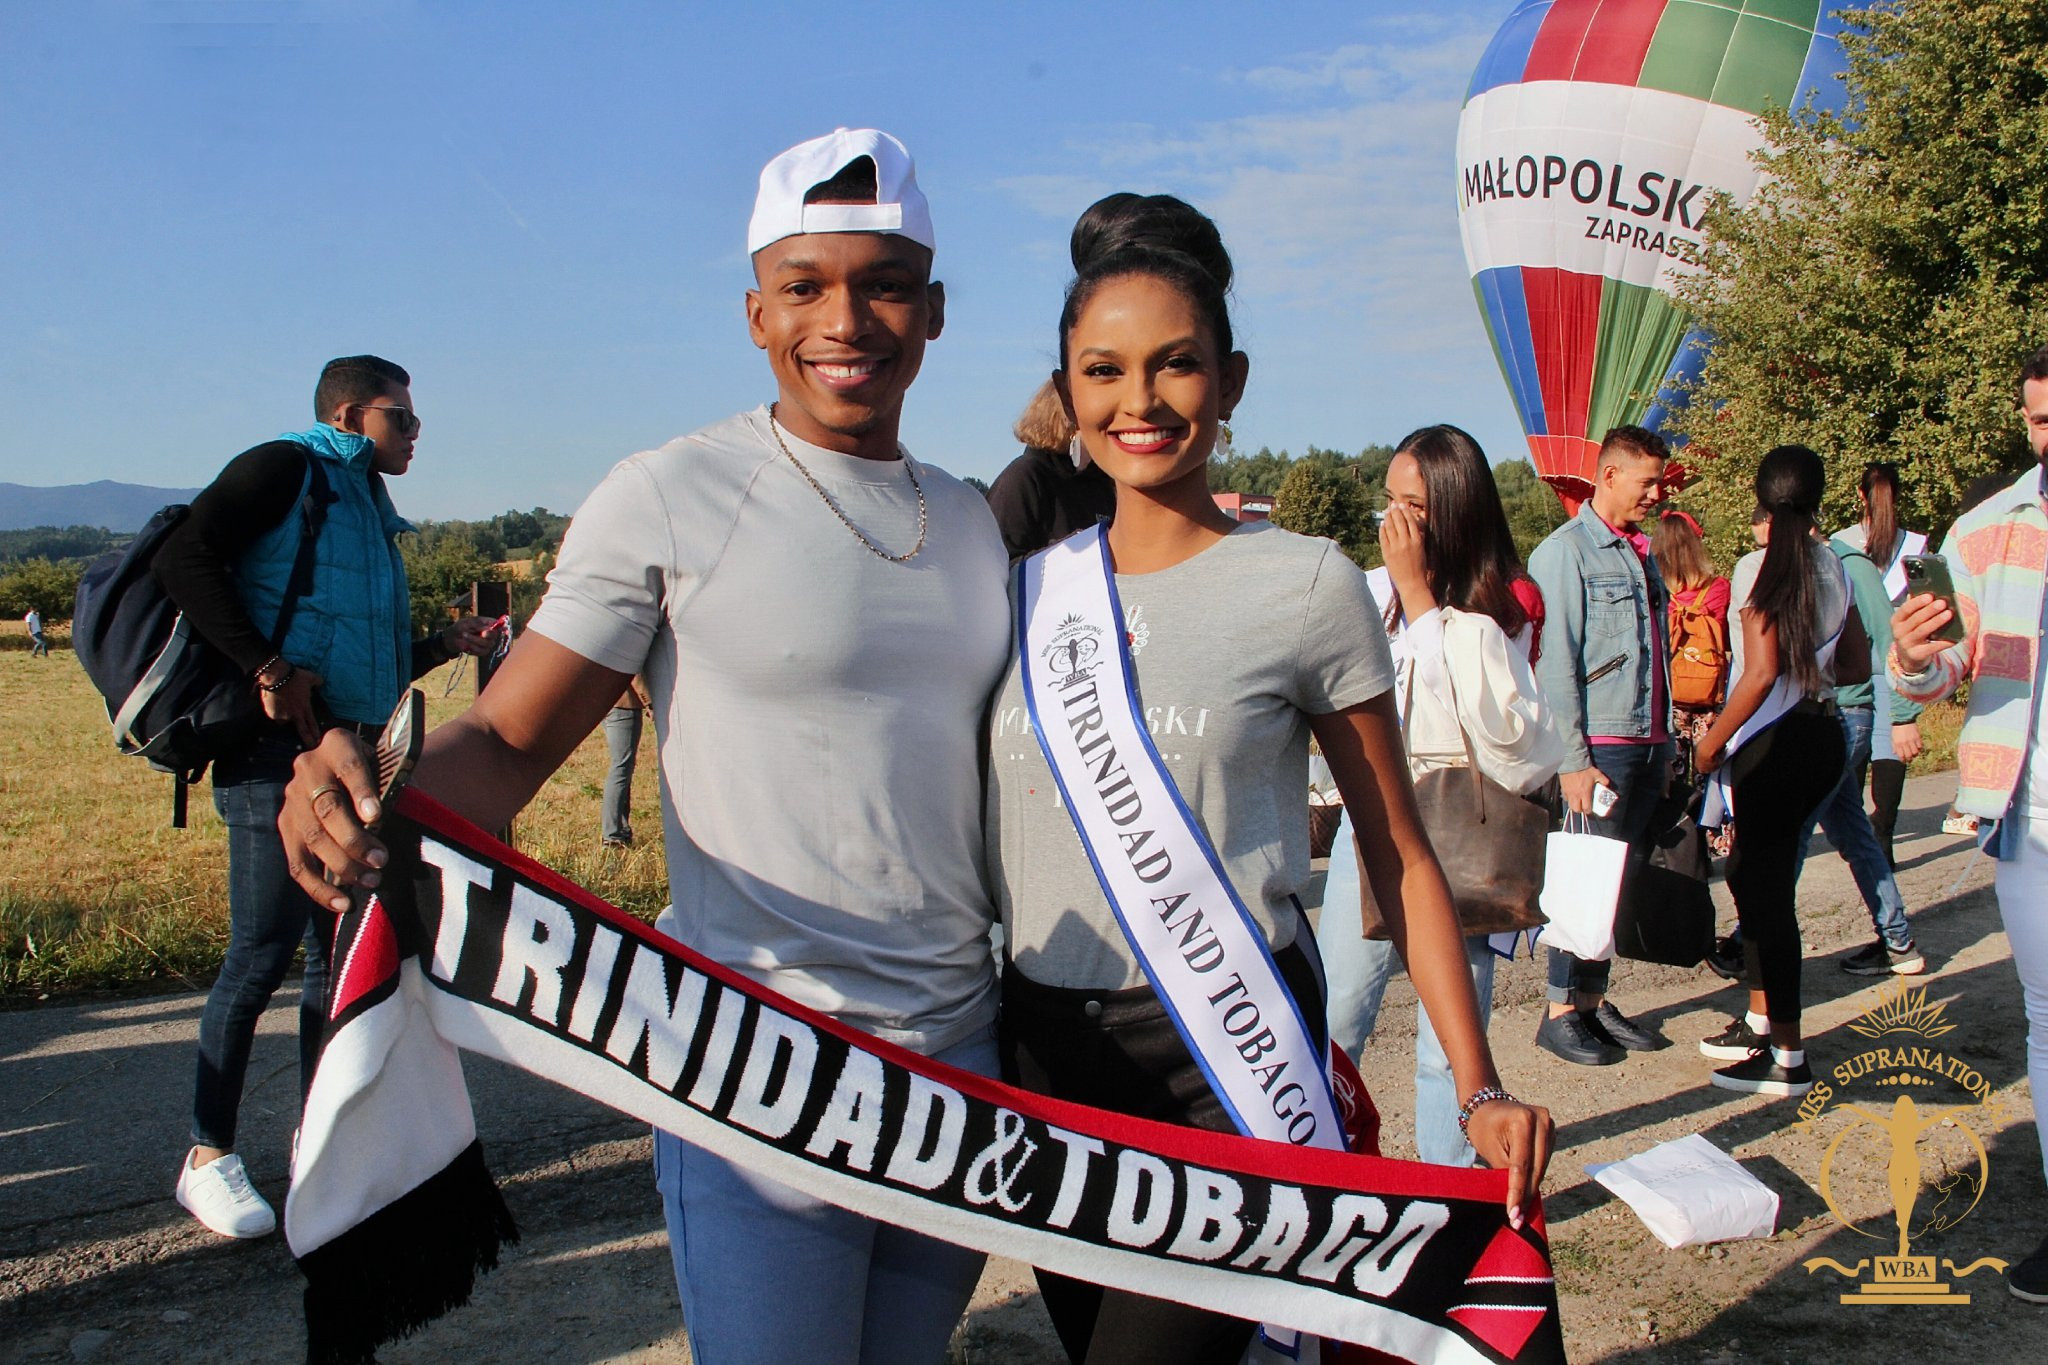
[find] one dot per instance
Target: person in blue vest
(345, 656)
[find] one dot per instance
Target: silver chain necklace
(909, 467)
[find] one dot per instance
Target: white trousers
(2023, 905)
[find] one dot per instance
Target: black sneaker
(1734, 1043)
(1567, 1036)
(1761, 1075)
(1726, 958)
(1881, 959)
(2029, 1279)
(1611, 1025)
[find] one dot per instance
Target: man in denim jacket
(1605, 671)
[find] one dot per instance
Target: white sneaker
(219, 1195)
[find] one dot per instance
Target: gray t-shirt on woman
(1232, 650)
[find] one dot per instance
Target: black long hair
(1880, 486)
(1465, 540)
(1789, 485)
(1155, 235)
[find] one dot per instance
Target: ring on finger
(323, 789)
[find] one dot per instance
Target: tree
(440, 566)
(1532, 509)
(1317, 501)
(1259, 474)
(1877, 296)
(47, 585)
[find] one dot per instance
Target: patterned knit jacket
(1998, 556)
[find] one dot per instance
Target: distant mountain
(116, 506)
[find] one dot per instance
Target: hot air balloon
(1596, 137)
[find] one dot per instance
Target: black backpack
(173, 698)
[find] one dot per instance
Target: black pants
(1780, 778)
(1887, 790)
(1119, 1050)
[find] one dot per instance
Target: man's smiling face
(844, 318)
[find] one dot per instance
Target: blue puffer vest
(355, 627)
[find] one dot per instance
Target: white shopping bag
(1581, 883)
(1689, 1192)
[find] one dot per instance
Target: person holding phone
(1986, 629)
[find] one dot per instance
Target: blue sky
(540, 211)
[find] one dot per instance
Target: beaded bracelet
(1484, 1095)
(284, 679)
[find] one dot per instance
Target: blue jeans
(268, 918)
(1639, 774)
(622, 741)
(1847, 824)
(1357, 969)
(769, 1274)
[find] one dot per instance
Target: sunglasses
(406, 419)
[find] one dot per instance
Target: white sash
(1195, 940)
(1206, 959)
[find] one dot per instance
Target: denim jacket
(1600, 599)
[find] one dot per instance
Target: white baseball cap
(899, 207)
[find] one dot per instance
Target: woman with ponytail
(1221, 648)
(1880, 536)
(1784, 751)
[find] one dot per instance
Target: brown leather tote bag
(1489, 840)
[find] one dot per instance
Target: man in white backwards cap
(820, 619)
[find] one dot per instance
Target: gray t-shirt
(1232, 650)
(1834, 601)
(818, 712)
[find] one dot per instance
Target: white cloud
(1335, 189)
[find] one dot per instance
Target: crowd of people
(827, 623)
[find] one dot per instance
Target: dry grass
(1940, 726)
(98, 892)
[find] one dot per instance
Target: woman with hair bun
(1782, 742)
(1177, 662)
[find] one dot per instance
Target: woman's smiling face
(1144, 382)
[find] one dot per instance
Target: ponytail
(1789, 484)
(1880, 485)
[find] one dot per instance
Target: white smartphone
(1604, 801)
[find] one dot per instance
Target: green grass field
(98, 892)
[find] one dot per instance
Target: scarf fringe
(407, 1264)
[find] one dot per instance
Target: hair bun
(1127, 222)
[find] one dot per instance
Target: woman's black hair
(1789, 485)
(1466, 545)
(1880, 486)
(1155, 235)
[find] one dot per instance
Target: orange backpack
(1699, 655)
